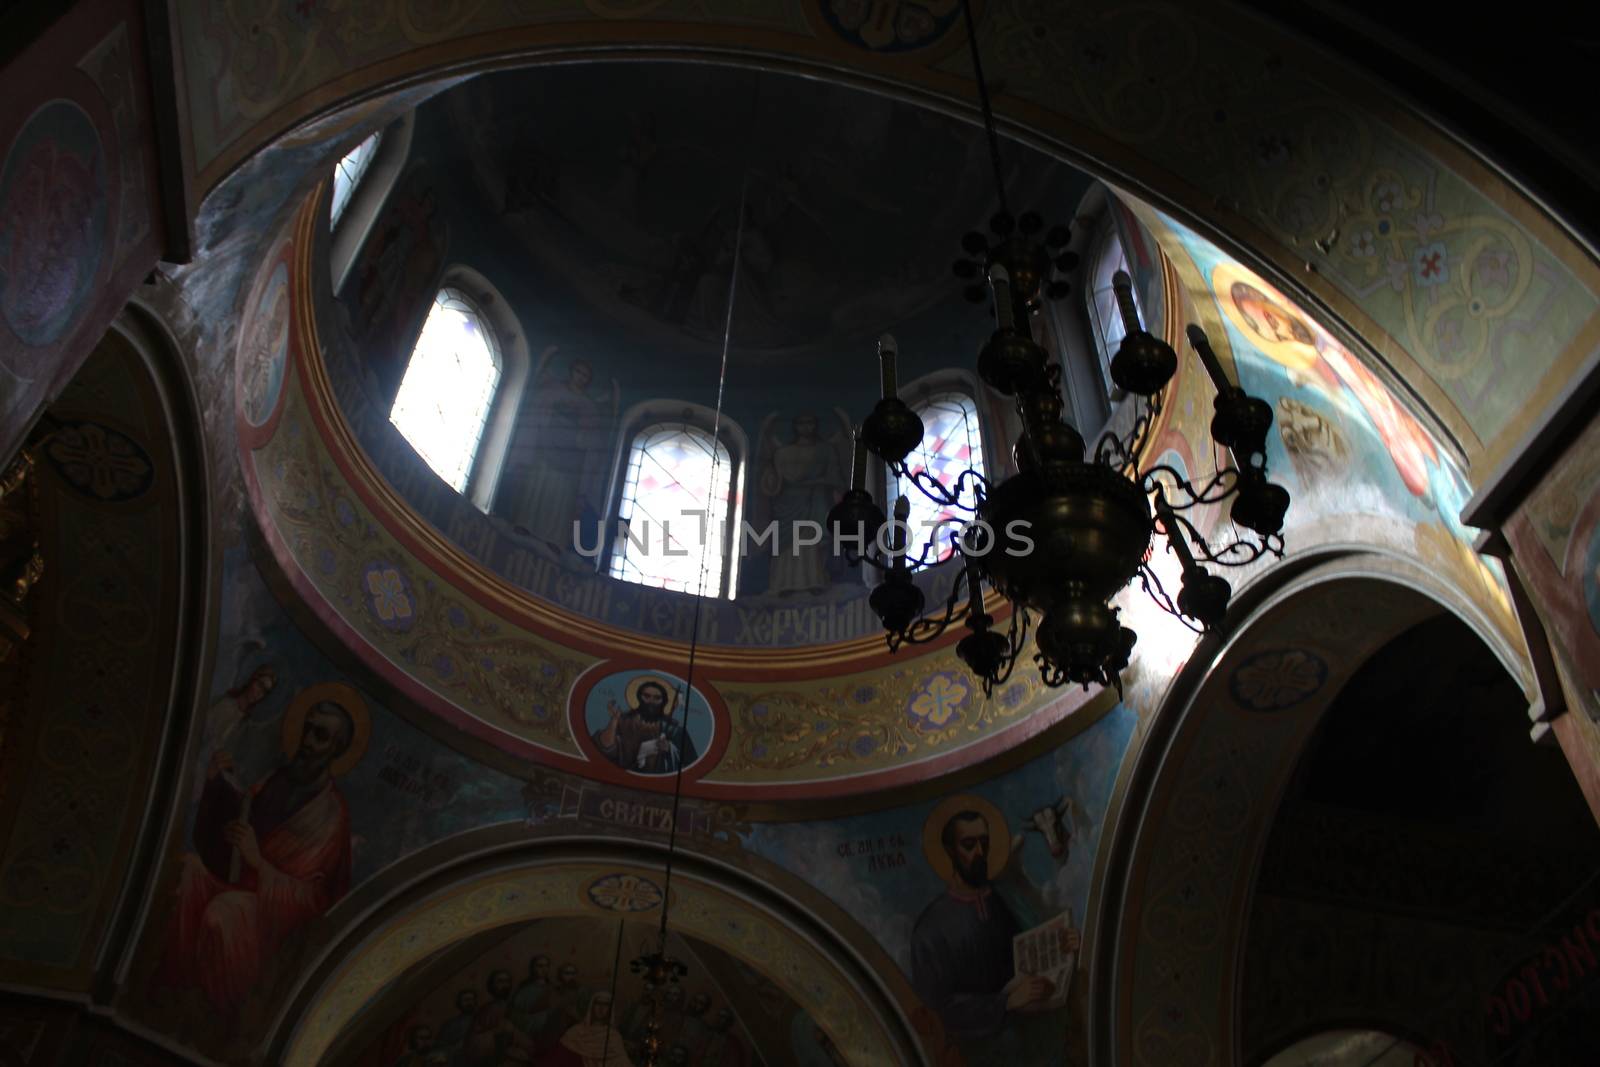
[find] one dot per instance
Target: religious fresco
(502, 666)
(976, 901)
(981, 897)
(803, 466)
(76, 200)
(1423, 241)
(545, 994)
(54, 199)
(639, 721)
(1343, 444)
(301, 787)
(577, 269)
(637, 202)
(562, 450)
(264, 348)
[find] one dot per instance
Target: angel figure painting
(800, 479)
(561, 450)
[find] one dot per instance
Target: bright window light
(444, 399)
(671, 494)
(347, 174)
(950, 444)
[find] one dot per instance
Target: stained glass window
(1104, 316)
(347, 174)
(444, 399)
(950, 444)
(674, 509)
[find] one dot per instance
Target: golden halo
(999, 834)
(1296, 355)
(348, 698)
(631, 693)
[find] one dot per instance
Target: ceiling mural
(78, 213)
(1414, 241)
(587, 222)
(821, 983)
(301, 787)
(1343, 444)
(547, 989)
(306, 795)
(462, 645)
(981, 897)
(846, 207)
(471, 652)
(431, 776)
(312, 785)
(953, 894)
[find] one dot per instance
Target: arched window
(676, 506)
(951, 443)
(1105, 319)
(362, 181)
(444, 400)
(347, 174)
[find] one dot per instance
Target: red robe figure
(267, 860)
(594, 1042)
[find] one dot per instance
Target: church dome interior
(425, 635)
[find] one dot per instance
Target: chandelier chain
(983, 102)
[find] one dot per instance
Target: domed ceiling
(624, 181)
(603, 204)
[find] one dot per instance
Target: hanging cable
(983, 102)
(705, 548)
(616, 965)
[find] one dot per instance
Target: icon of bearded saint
(646, 737)
(267, 858)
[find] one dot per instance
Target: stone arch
(1218, 754)
(120, 516)
(498, 879)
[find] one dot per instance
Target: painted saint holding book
(976, 956)
(268, 857)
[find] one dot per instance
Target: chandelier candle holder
(658, 970)
(1073, 527)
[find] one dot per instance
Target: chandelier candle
(1213, 365)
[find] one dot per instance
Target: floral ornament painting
(389, 596)
(1278, 679)
(625, 892)
(99, 462)
(940, 700)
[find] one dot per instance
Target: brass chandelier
(1072, 527)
